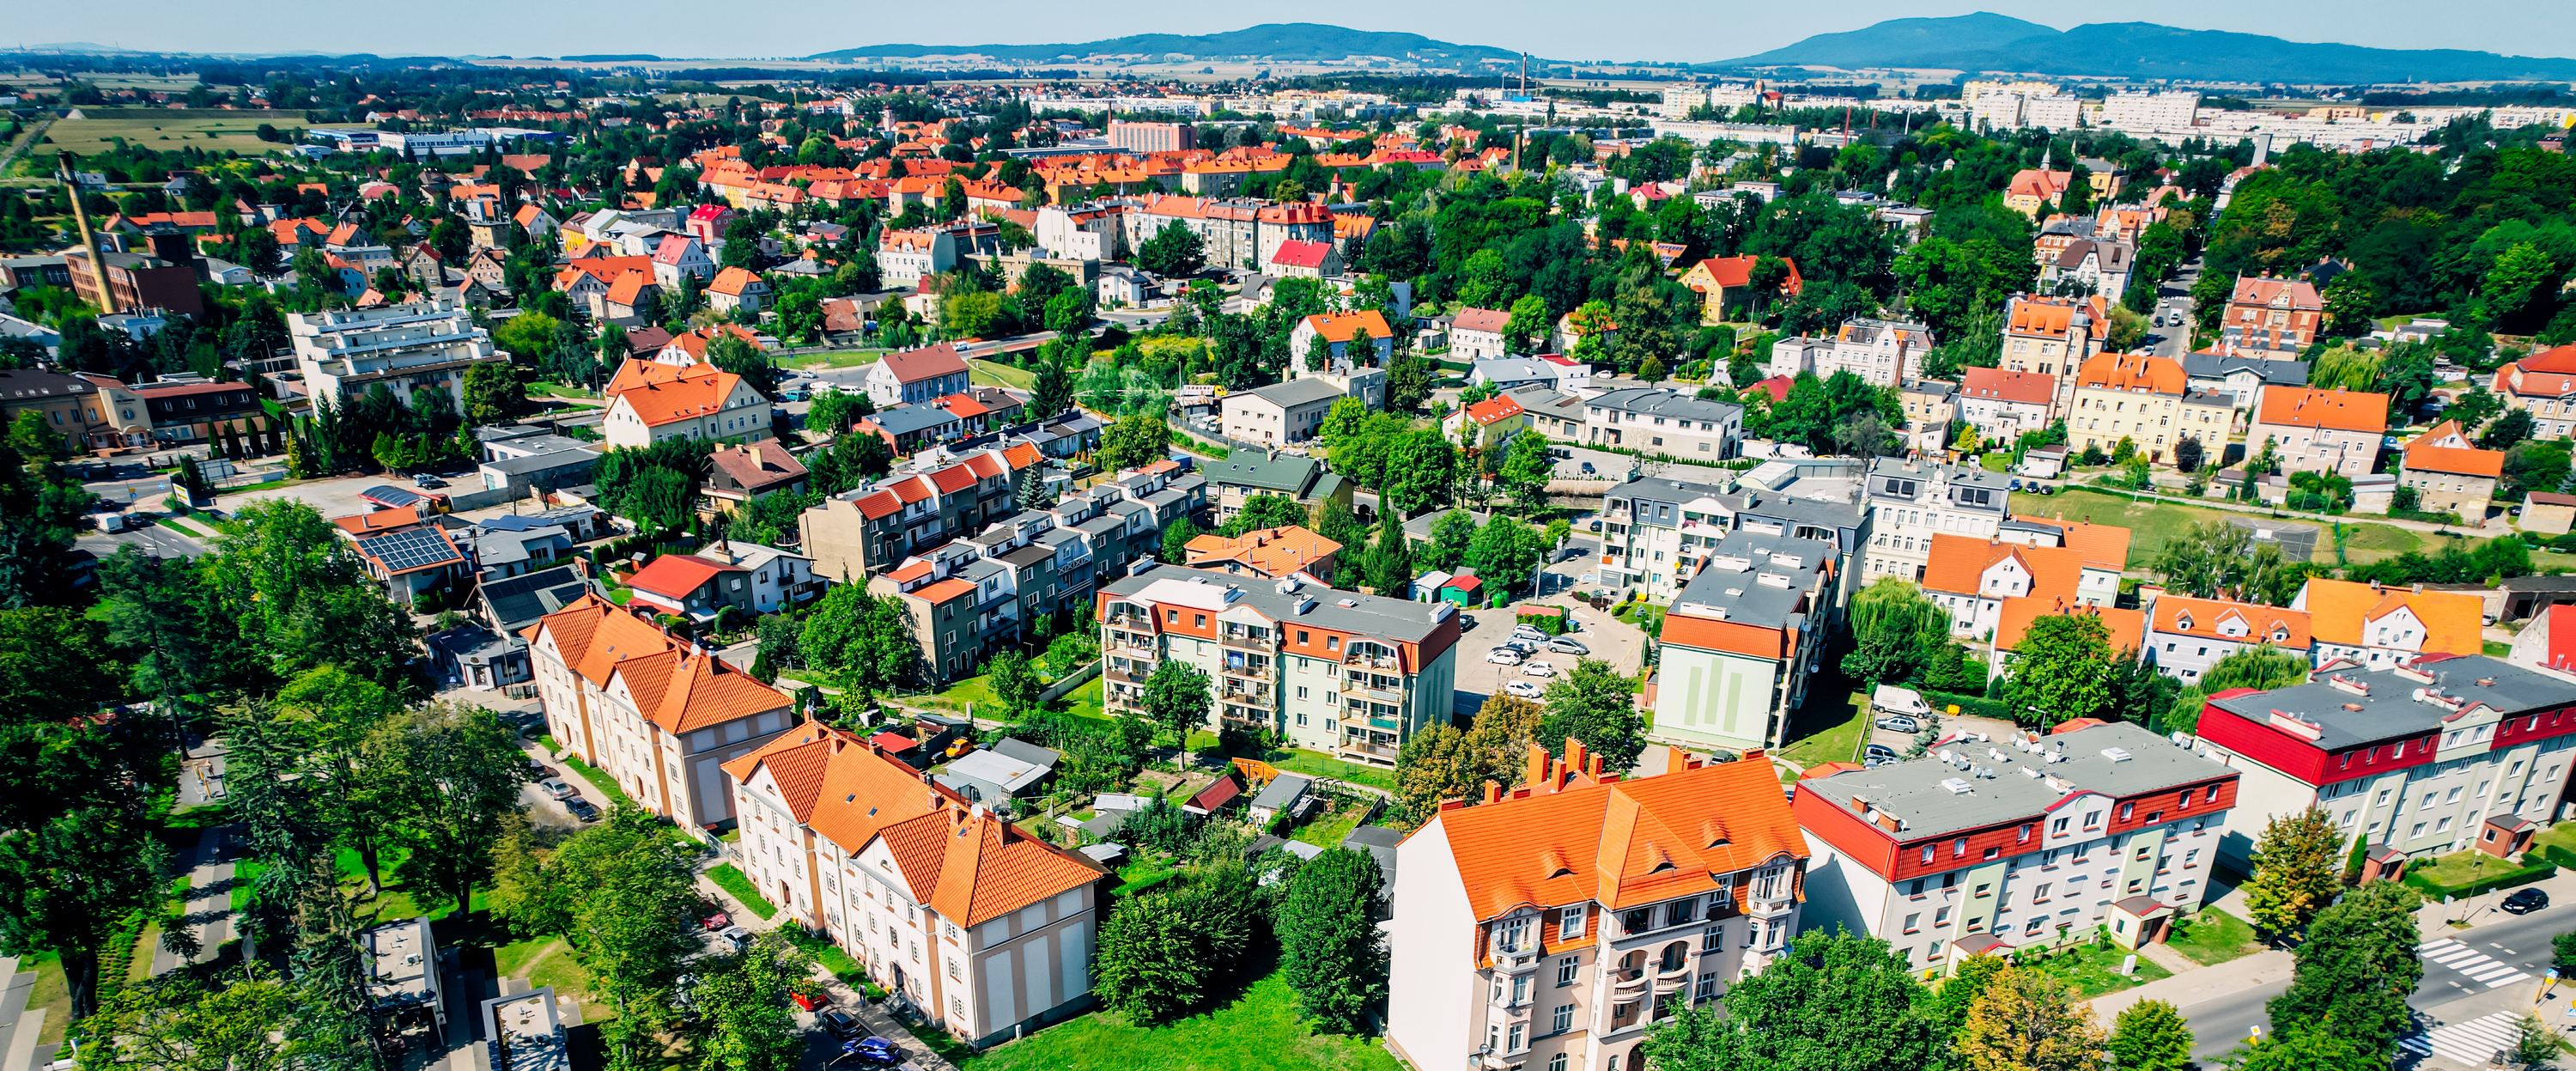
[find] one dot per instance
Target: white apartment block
(1911, 502)
(419, 351)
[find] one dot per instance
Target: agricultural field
(212, 130)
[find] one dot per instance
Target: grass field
(816, 362)
(2213, 937)
(1839, 742)
(2151, 524)
(89, 136)
(1259, 1031)
(2095, 971)
(993, 374)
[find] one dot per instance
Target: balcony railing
(1626, 986)
(1130, 675)
(1374, 661)
(1379, 695)
(1386, 752)
(1248, 643)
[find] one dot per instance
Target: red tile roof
(2340, 410)
(2028, 388)
(1302, 254)
(674, 576)
(2208, 619)
(914, 366)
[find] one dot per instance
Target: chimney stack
(1493, 790)
(1539, 769)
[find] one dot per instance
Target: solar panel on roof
(405, 551)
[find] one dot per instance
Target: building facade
(1914, 501)
(1741, 639)
(420, 351)
(2311, 430)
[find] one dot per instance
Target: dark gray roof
(1366, 615)
(1733, 587)
(564, 515)
(1295, 392)
(1292, 475)
(519, 601)
(2220, 366)
(1028, 556)
(1654, 401)
(1285, 789)
(1027, 752)
(2391, 710)
(906, 419)
(1914, 791)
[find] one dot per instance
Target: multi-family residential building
(76, 409)
(1975, 581)
(1477, 335)
(1913, 501)
(737, 290)
(1264, 553)
(1550, 927)
(1236, 479)
(1338, 330)
(1280, 413)
(2102, 267)
(1741, 639)
(2271, 316)
(2311, 430)
(649, 402)
(1986, 847)
(915, 377)
(1652, 420)
(1487, 425)
(868, 530)
(1351, 675)
(2003, 406)
(2419, 756)
(1931, 411)
(2450, 474)
(1142, 138)
(2186, 636)
(1305, 260)
(727, 574)
(2102, 551)
(2544, 385)
(983, 930)
(2032, 190)
(1656, 531)
(742, 473)
(2054, 336)
(2242, 377)
(2372, 625)
(653, 712)
(420, 351)
(905, 258)
(2148, 401)
(1233, 232)
(678, 257)
(957, 606)
(1546, 371)
(2145, 112)
(1882, 353)
(1726, 289)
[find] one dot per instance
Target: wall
(1432, 958)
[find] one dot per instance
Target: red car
(716, 921)
(810, 1000)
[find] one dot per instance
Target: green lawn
(732, 880)
(2464, 866)
(2562, 835)
(818, 361)
(600, 780)
(1322, 765)
(2213, 937)
(1328, 831)
(1837, 742)
(996, 374)
(548, 961)
(2151, 524)
(2095, 971)
(1260, 1031)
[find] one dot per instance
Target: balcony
(1367, 752)
(1765, 906)
(1377, 695)
(1628, 986)
(1514, 960)
(1129, 674)
(1237, 667)
(1248, 643)
(1374, 661)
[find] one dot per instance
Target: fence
(1070, 681)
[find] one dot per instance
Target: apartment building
(419, 351)
(650, 402)
(2054, 336)
(905, 258)
(2003, 406)
(654, 713)
(2186, 636)
(2313, 430)
(868, 530)
(1983, 848)
(1339, 330)
(984, 930)
(1351, 675)
(1668, 422)
(2418, 756)
(2148, 401)
(2544, 385)
(1913, 501)
(1265, 553)
(1234, 232)
(1931, 411)
(1656, 532)
(2240, 378)
(1280, 413)
(1884, 353)
(2372, 625)
(1142, 138)
(2271, 316)
(1551, 926)
(1477, 335)
(2450, 474)
(957, 604)
(1975, 580)
(1741, 639)
(1238, 478)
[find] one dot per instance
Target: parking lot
(1998, 731)
(1609, 640)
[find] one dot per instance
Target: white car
(1538, 669)
(1503, 656)
(1523, 689)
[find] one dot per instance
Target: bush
(1551, 623)
(2534, 867)
(1968, 704)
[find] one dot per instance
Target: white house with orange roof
(914, 377)
(655, 713)
(650, 401)
(2186, 636)
(2004, 405)
(737, 289)
(1264, 553)
(988, 933)
(2544, 385)
(2101, 551)
(2053, 336)
(1488, 424)
(905, 258)
(2450, 474)
(1551, 925)
(1477, 335)
(1338, 330)
(2375, 626)
(1972, 579)
(2313, 430)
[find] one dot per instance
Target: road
(2495, 967)
(2174, 303)
(155, 540)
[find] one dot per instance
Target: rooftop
(2396, 702)
(2004, 781)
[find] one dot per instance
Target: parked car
(1596, 524)
(2525, 902)
(1588, 470)
(810, 999)
(874, 1050)
(557, 788)
(1878, 751)
(1517, 645)
(1527, 632)
(1523, 689)
(1538, 669)
(1568, 645)
(1503, 656)
(842, 1024)
(582, 809)
(426, 480)
(1900, 723)
(740, 937)
(2016, 485)
(716, 921)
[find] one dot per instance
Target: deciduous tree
(2298, 870)
(1836, 1002)
(2150, 1035)
(1328, 939)
(2356, 967)
(2027, 1020)
(1596, 704)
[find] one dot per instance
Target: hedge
(2533, 868)
(1967, 704)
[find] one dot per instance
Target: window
(1914, 922)
(1941, 918)
(2126, 809)
(1681, 911)
(1556, 1062)
(2026, 829)
(1568, 969)
(1707, 987)
(1915, 889)
(956, 972)
(2092, 819)
(1519, 1037)
(1928, 850)
(1559, 1023)
(1636, 921)
(1570, 925)
(1958, 847)
(1713, 939)
(1983, 891)
(2057, 828)
(1520, 989)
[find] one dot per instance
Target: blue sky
(1641, 29)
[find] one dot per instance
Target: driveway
(334, 498)
(1620, 644)
(1999, 733)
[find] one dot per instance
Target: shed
(1283, 793)
(1380, 843)
(1104, 853)
(994, 769)
(1462, 590)
(1105, 825)
(1427, 586)
(1216, 797)
(2549, 512)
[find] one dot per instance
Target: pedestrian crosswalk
(2473, 1042)
(2478, 966)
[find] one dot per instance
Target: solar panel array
(405, 551)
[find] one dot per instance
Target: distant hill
(1988, 42)
(1278, 41)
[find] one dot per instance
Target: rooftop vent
(2116, 754)
(1957, 786)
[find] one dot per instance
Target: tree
(745, 1020)
(492, 394)
(67, 886)
(1505, 554)
(1444, 762)
(2027, 1020)
(180, 1022)
(1896, 632)
(1133, 441)
(2298, 870)
(1451, 535)
(1172, 252)
(1177, 698)
(2150, 1035)
(1836, 1002)
(459, 771)
(2355, 969)
(613, 891)
(2187, 454)
(1596, 704)
(2061, 670)
(2523, 270)
(867, 638)
(2305, 1050)
(1328, 940)
(1527, 468)
(1014, 682)
(1267, 511)
(2262, 667)
(1052, 393)
(1652, 370)
(1176, 540)
(1145, 968)
(1389, 567)
(1408, 381)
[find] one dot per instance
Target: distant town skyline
(1657, 31)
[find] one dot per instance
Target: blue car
(873, 1050)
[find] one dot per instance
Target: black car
(2525, 902)
(1878, 751)
(582, 809)
(842, 1024)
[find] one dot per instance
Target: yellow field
(230, 130)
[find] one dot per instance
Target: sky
(1662, 30)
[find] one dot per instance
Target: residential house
(75, 409)
(916, 376)
(2241, 378)
(1233, 481)
(741, 473)
(2311, 430)
(1973, 579)
(905, 258)
(1726, 290)
(2034, 189)
(649, 402)
(2102, 551)
(1265, 553)
(737, 290)
(908, 428)
(1979, 850)
(1549, 371)
(1657, 532)
(412, 560)
(2450, 474)
(2271, 317)
(2146, 401)
(2420, 756)
(1305, 260)
(2544, 385)
(1913, 501)
(1931, 411)
(535, 222)
(188, 408)
(2101, 267)
(1351, 675)
(2371, 625)
(2186, 636)
(1486, 425)
(871, 529)
(958, 606)
(985, 931)
(653, 713)
(1741, 639)
(420, 350)
(1338, 330)
(745, 577)
(1883, 353)
(1476, 335)
(1669, 423)
(2054, 336)
(1552, 925)
(2003, 406)
(1280, 413)
(678, 257)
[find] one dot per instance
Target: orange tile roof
(2028, 388)
(2340, 410)
(673, 685)
(1958, 563)
(944, 590)
(1342, 326)
(796, 762)
(1269, 551)
(1021, 455)
(1493, 409)
(2340, 611)
(911, 571)
(377, 522)
(674, 576)
(1619, 842)
(2125, 626)
(731, 281)
(2432, 452)
(2103, 545)
(659, 397)
(2183, 615)
(2132, 372)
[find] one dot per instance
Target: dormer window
(2183, 622)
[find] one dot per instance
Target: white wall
(1431, 978)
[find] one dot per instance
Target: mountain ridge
(1974, 42)
(1274, 40)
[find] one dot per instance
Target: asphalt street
(155, 540)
